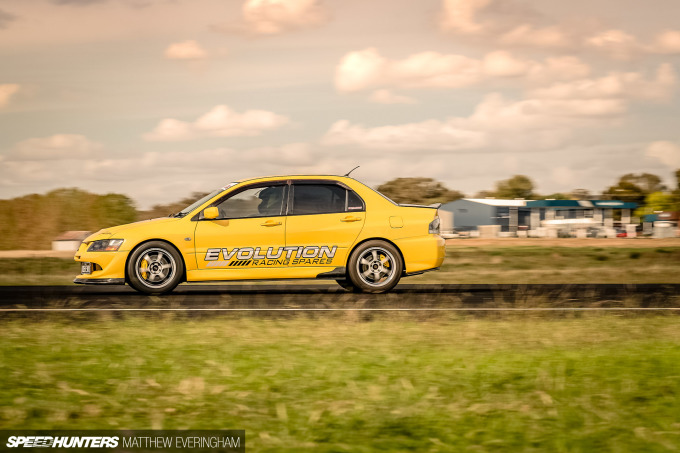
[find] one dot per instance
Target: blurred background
(159, 99)
(547, 130)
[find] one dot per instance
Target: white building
(69, 241)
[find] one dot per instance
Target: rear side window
(354, 203)
(323, 199)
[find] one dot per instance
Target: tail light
(434, 226)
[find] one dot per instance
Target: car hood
(116, 230)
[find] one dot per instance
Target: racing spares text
(130, 441)
(279, 256)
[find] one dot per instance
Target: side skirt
(99, 281)
(338, 272)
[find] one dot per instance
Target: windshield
(197, 203)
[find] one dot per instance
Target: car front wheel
(375, 267)
(155, 268)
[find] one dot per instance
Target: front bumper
(99, 281)
(110, 266)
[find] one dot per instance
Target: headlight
(105, 245)
(434, 226)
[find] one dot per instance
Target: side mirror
(211, 213)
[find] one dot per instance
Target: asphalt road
(299, 297)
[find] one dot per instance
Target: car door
(249, 232)
(324, 220)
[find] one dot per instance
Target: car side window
(255, 202)
(323, 199)
(318, 199)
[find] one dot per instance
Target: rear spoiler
(431, 206)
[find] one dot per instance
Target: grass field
(516, 383)
(467, 261)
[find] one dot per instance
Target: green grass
(463, 264)
(595, 383)
(38, 271)
(537, 264)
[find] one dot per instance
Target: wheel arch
(401, 255)
(132, 250)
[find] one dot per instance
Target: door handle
(270, 223)
(350, 218)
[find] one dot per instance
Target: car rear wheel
(155, 268)
(375, 267)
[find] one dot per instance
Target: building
(541, 217)
(69, 241)
(663, 224)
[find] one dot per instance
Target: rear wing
(430, 206)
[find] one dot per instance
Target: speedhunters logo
(62, 442)
(129, 441)
(279, 256)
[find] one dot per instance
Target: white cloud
(516, 24)
(496, 123)
(558, 68)
(270, 17)
(387, 97)
(366, 69)
(616, 43)
(220, 121)
(624, 85)
(153, 177)
(507, 23)
(460, 16)
(185, 50)
(527, 35)
(667, 42)
(55, 147)
(7, 90)
(503, 64)
(431, 135)
(666, 152)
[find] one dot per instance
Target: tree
(648, 182)
(519, 186)
(676, 192)
(164, 210)
(635, 188)
(581, 194)
(418, 191)
(655, 202)
(554, 196)
(33, 221)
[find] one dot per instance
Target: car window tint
(318, 199)
(255, 202)
(354, 203)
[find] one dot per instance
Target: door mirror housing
(211, 213)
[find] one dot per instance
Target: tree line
(33, 221)
(645, 189)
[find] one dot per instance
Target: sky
(157, 99)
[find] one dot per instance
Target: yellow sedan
(282, 227)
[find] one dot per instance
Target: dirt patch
(566, 242)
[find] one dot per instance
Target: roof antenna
(352, 170)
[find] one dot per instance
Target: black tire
(164, 265)
(348, 285)
(375, 267)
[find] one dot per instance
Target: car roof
(279, 177)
